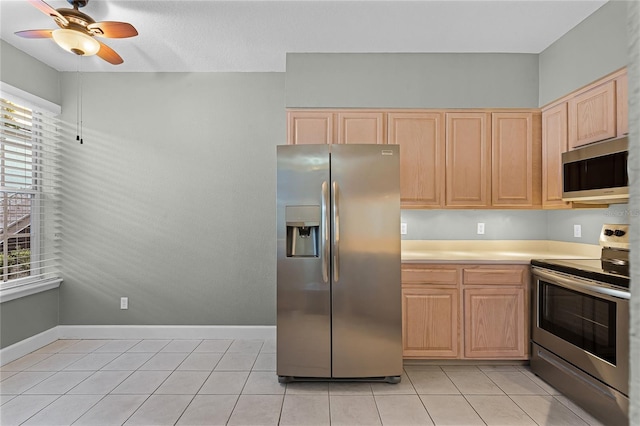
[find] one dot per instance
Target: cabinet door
(515, 162)
(494, 323)
(361, 127)
(468, 159)
(309, 127)
(421, 140)
(554, 143)
(430, 322)
(592, 115)
(622, 105)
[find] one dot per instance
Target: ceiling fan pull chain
(78, 102)
(81, 123)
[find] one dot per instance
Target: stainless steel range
(580, 326)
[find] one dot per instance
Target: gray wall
(595, 47)
(554, 225)
(560, 222)
(412, 80)
(27, 316)
(170, 201)
(462, 224)
(26, 73)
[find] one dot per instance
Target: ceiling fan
(78, 30)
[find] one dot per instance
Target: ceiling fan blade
(112, 29)
(35, 33)
(109, 55)
(48, 10)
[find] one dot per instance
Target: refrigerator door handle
(336, 233)
(325, 232)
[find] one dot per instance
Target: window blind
(29, 171)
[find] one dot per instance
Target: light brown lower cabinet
(494, 323)
(430, 322)
(465, 311)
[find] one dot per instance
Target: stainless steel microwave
(597, 173)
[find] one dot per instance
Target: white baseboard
(28, 345)
(15, 351)
(167, 331)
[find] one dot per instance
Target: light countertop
(494, 251)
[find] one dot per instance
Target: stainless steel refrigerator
(338, 273)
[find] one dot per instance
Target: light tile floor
(233, 382)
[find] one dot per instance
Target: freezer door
(303, 284)
(366, 294)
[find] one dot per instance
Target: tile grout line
(573, 411)
(61, 395)
(418, 395)
(203, 382)
(110, 392)
(509, 396)
(153, 391)
(465, 396)
(243, 385)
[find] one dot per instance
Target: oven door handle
(579, 284)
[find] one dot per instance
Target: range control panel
(615, 235)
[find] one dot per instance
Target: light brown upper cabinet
(361, 127)
(468, 159)
(515, 159)
(592, 115)
(310, 127)
(554, 143)
(422, 157)
(335, 126)
(622, 105)
(448, 158)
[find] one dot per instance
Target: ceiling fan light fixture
(76, 42)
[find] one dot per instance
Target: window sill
(24, 290)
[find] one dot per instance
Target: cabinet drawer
(430, 276)
(495, 276)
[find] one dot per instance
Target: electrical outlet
(577, 231)
(480, 228)
(124, 303)
(403, 228)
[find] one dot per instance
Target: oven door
(584, 323)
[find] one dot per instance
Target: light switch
(403, 228)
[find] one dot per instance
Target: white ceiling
(198, 36)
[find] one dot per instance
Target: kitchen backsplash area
(557, 225)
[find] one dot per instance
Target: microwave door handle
(325, 232)
(575, 283)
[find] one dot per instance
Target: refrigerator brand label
(387, 152)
